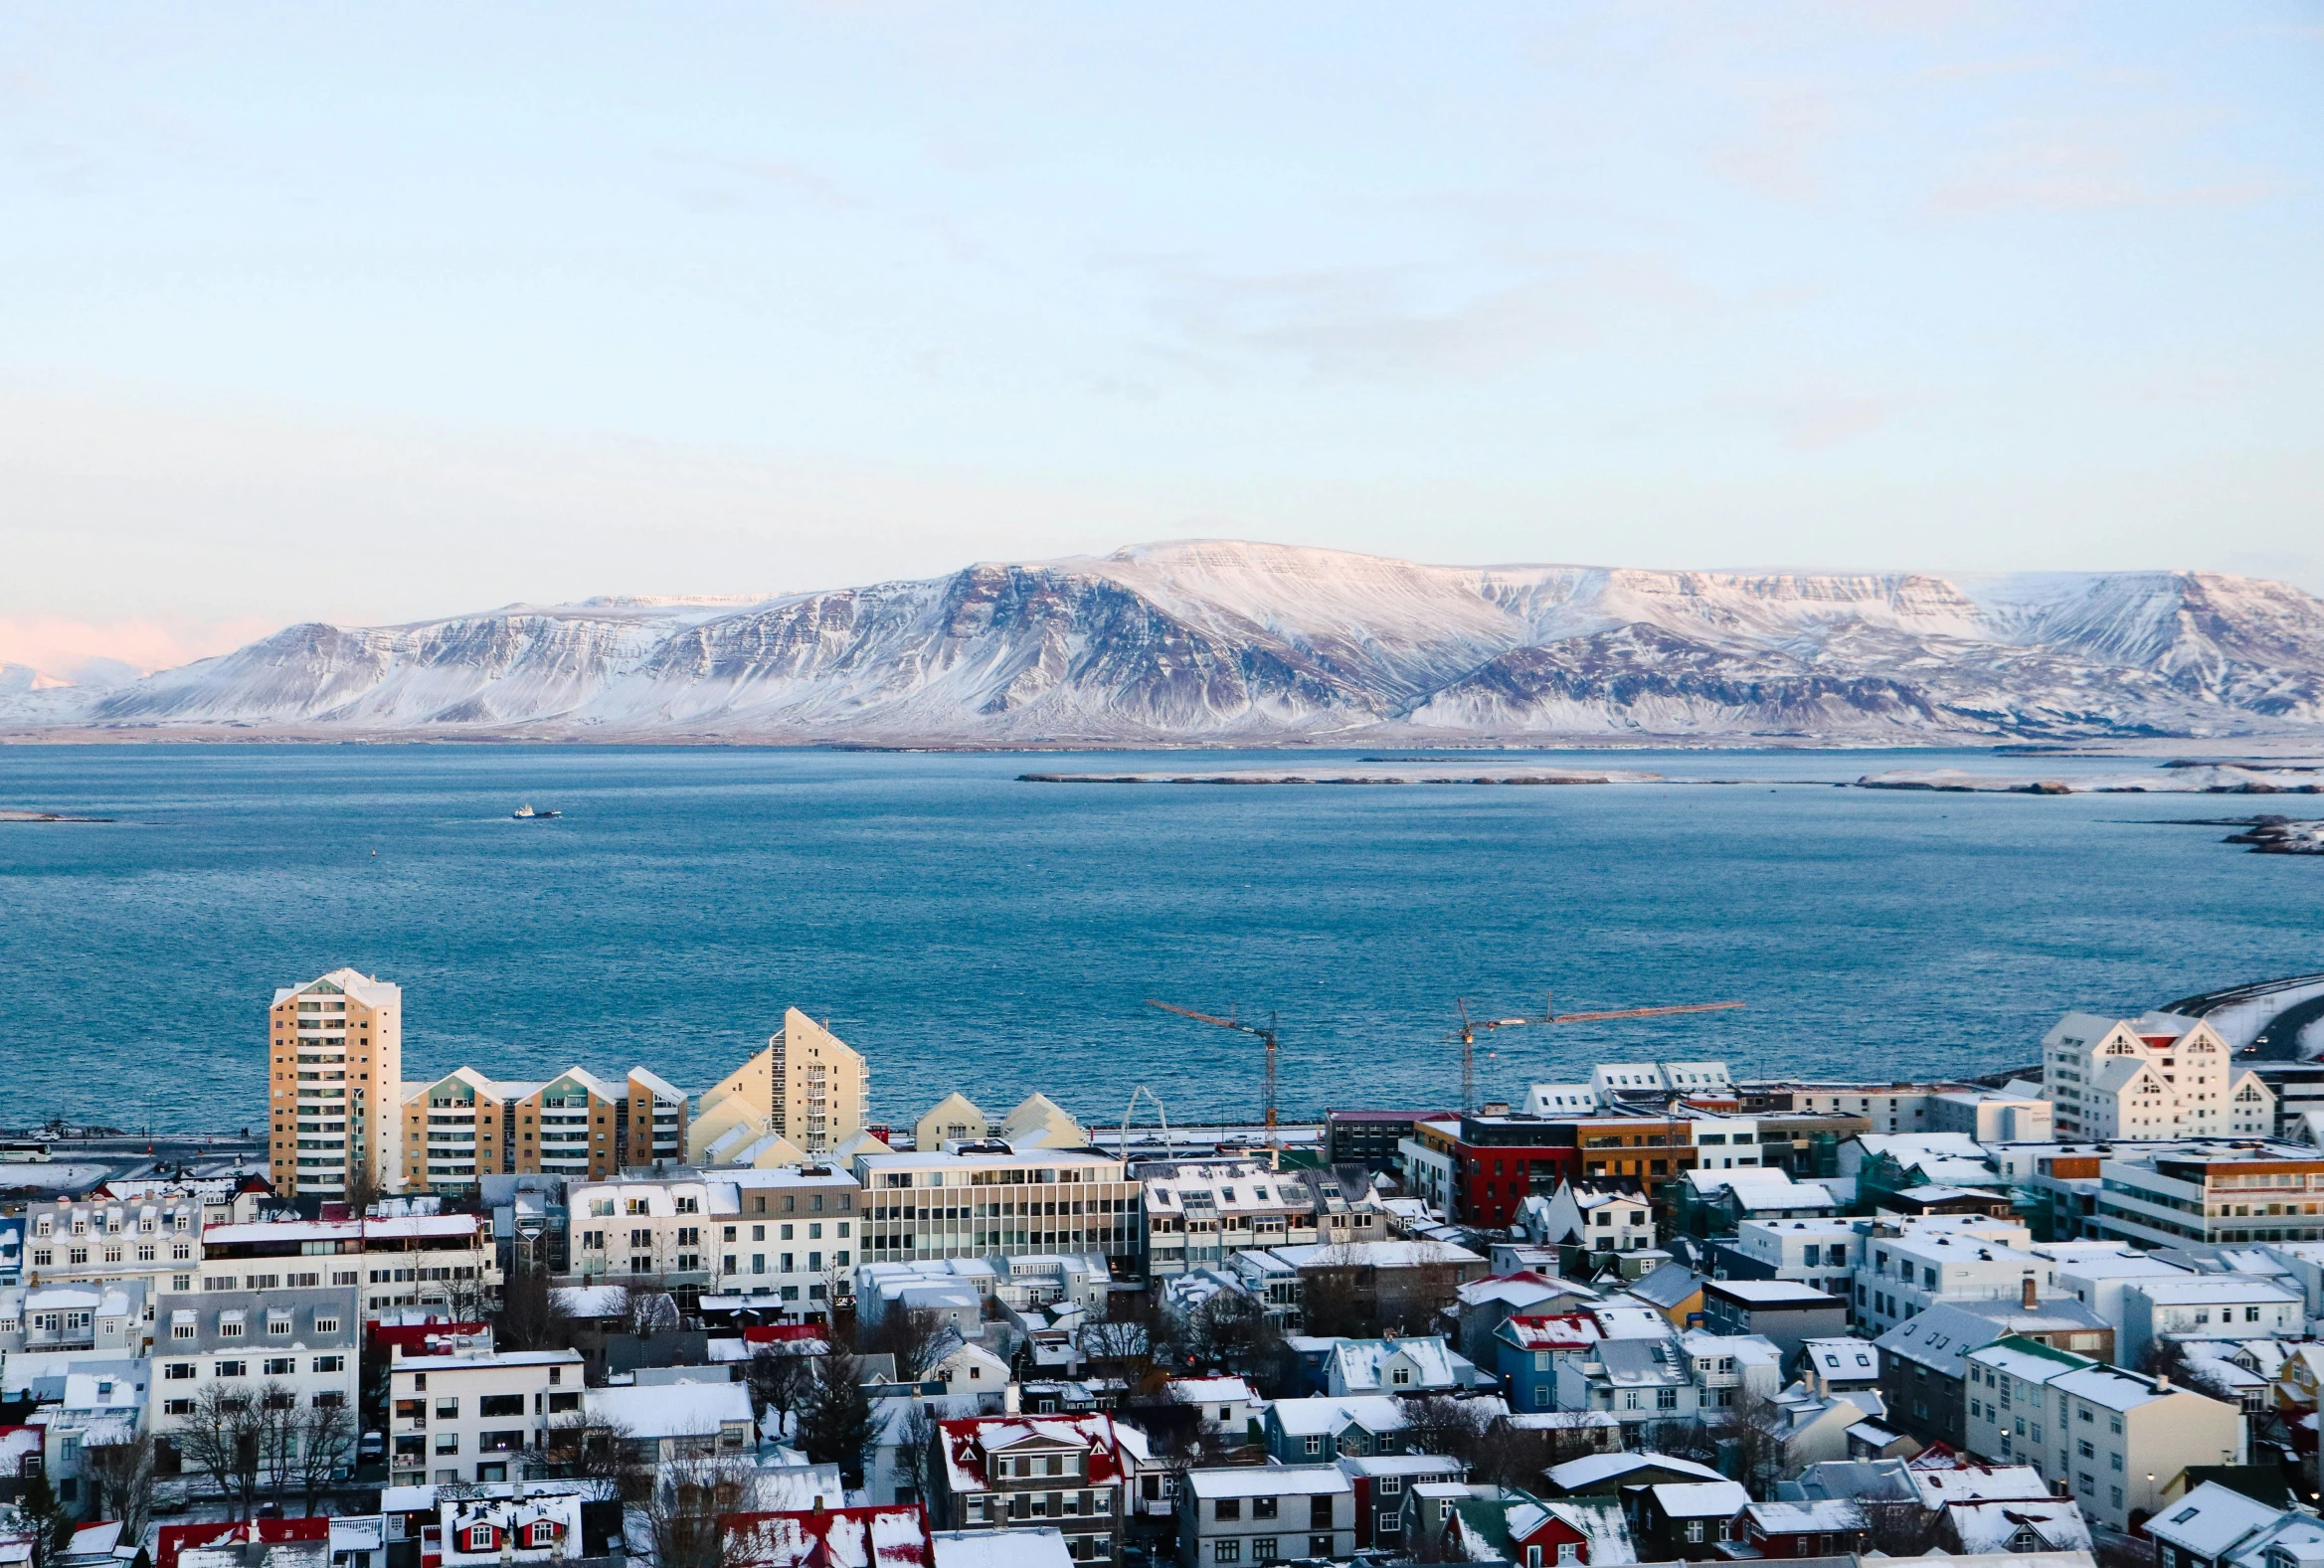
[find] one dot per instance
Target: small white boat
(526, 813)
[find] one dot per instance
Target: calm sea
(970, 932)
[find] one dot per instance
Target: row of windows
(230, 1326)
(269, 1366)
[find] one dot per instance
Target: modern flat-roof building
(473, 1415)
(787, 1237)
(986, 1200)
(1370, 1138)
(335, 1054)
(2261, 1192)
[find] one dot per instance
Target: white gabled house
(1602, 1216)
(2156, 1076)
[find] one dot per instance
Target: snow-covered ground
(2217, 778)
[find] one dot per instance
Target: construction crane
(1267, 1035)
(1467, 1033)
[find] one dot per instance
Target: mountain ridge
(1221, 640)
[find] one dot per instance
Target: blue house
(1527, 1350)
(12, 1250)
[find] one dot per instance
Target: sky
(370, 314)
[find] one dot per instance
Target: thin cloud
(780, 173)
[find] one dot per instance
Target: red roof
(968, 1443)
(778, 1333)
(895, 1536)
(416, 1339)
(176, 1538)
(1553, 1330)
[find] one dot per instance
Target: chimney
(2026, 1300)
(2162, 1383)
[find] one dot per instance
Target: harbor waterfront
(956, 924)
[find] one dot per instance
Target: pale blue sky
(381, 312)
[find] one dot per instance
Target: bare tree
(647, 1311)
(121, 1479)
(1440, 1424)
(323, 1444)
(1751, 1433)
(781, 1382)
(276, 1435)
(917, 1338)
(915, 1443)
(596, 1447)
(1905, 1528)
(220, 1438)
(1232, 1329)
(362, 1190)
(532, 1317)
(835, 1428)
(683, 1506)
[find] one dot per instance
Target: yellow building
(465, 1126)
(807, 1087)
(335, 1056)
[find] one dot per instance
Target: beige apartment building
(806, 1089)
(465, 1126)
(335, 1056)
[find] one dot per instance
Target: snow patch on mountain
(1226, 640)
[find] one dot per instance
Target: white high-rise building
(2156, 1076)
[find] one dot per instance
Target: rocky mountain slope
(1221, 640)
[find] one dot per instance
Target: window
(180, 1371)
(1315, 1444)
(233, 1368)
(326, 1325)
(500, 1405)
(1264, 1507)
(1695, 1532)
(1226, 1551)
(281, 1365)
(1227, 1509)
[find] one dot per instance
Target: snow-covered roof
(1549, 1331)
(1980, 1484)
(1015, 1548)
(2058, 1525)
(1700, 1500)
(1363, 1363)
(2112, 1387)
(967, 1443)
(671, 1410)
(1578, 1474)
(1211, 1390)
(1520, 1289)
(1798, 1518)
(1270, 1480)
(894, 1536)
(1845, 1358)
(1324, 1417)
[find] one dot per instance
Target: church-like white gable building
(2156, 1076)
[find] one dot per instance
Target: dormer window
(478, 1538)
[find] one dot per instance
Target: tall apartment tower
(808, 1087)
(335, 1060)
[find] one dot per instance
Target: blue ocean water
(967, 930)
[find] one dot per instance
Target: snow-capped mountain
(1219, 641)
